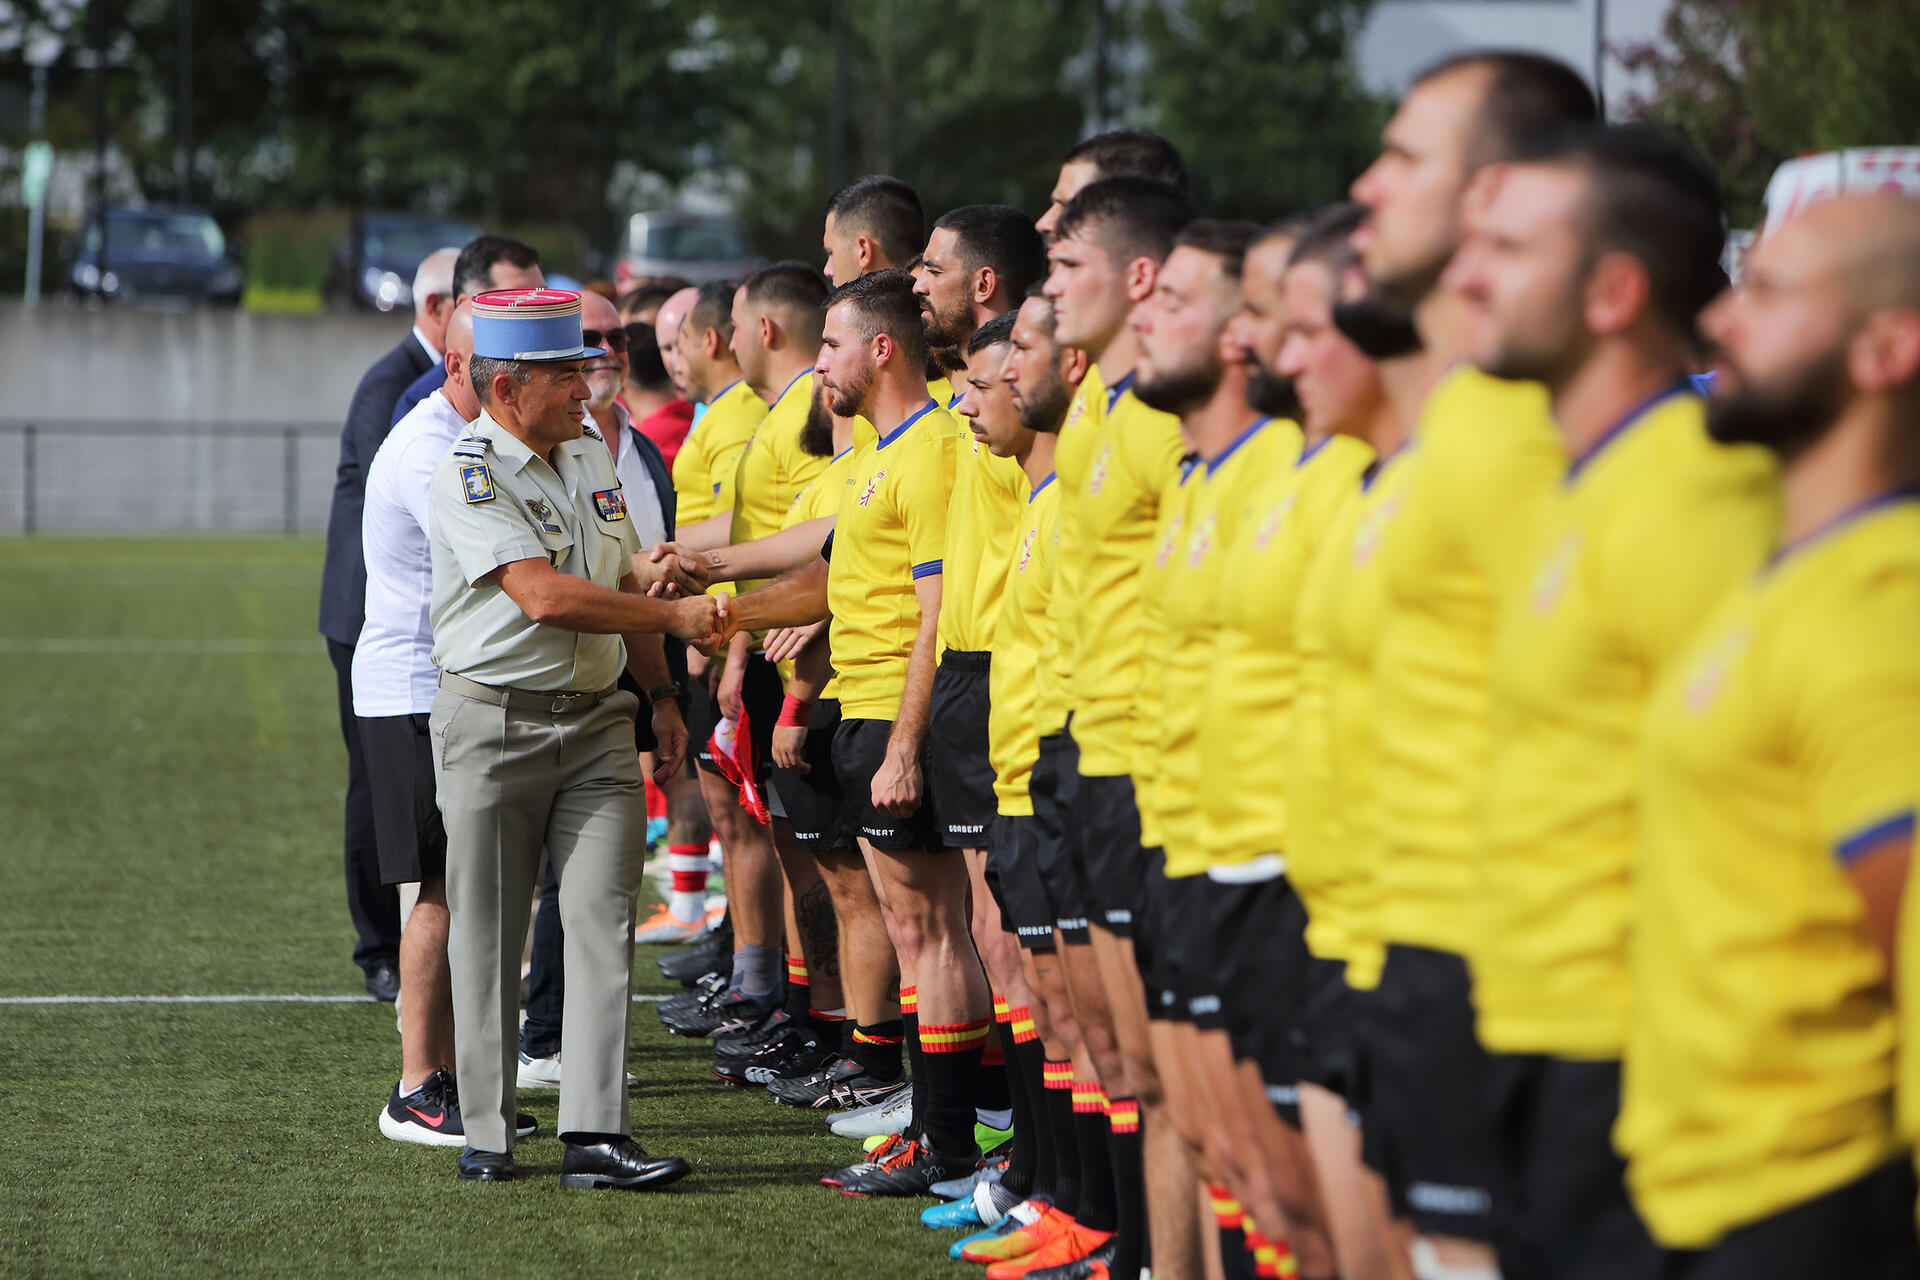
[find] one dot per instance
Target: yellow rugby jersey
(1333, 838)
(1244, 796)
(1186, 592)
(988, 493)
(1136, 457)
(821, 497)
(774, 469)
(703, 469)
(1651, 528)
(1485, 458)
(891, 531)
(1018, 677)
(1782, 743)
(1072, 460)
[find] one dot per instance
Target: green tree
(1261, 96)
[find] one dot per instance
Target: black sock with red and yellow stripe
(1021, 1155)
(951, 1054)
(1057, 1083)
(1236, 1260)
(876, 1047)
(1129, 1185)
(916, 1058)
(1097, 1210)
(799, 987)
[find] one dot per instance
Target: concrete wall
(60, 362)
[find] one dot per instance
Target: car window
(693, 242)
(171, 235)
(408, 242)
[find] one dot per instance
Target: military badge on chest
(611, 504)
(544, 514)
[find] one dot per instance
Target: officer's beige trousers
(511, 783)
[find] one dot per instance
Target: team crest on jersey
(1027, 545)
(1165, 555)
(1551, 582)
(1709, 674)
(1202, 542)
(1367, 538)
(1075, 412)
(1098, 476)
(872, 487)
(1271, 525)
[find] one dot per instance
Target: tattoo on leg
(819, 931)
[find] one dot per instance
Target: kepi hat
(533, 325)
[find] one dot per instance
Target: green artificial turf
(170, 785)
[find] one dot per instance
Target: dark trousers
(546, 974)
(375, 907)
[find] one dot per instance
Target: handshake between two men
(790, 609)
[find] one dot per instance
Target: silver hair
(434, 275)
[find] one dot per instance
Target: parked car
(693, 246)
(171, 254)
(374, 262)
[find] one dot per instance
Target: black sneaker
(911, 1170)
(735, 1011)
(731, 1041)
(709, 985)
(839, 1086)
(692, 1005)
(790, 1059)
(429, 1116)
(713, 950)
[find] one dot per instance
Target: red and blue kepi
(529, 325)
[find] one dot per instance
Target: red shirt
(667, 426)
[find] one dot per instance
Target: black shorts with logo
(1106, 842)
(1055, 779)
(812, 802)
(411, 842)
(859, 747)
(1175, 969)
(1567, 1213)
(1428, 1130)
(1325, 1037)
(761, 694)
(962, 775)
(1257, 944)
(1013, 876)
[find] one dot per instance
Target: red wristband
(793, 712)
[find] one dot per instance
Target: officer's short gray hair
(434, 276)
(481, 371)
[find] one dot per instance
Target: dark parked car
(374, 262)
(167, 254)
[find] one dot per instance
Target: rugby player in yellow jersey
(1485, 458)
(872, 223)
(1117, 153)
(1585, 268)
(1758, 1116)
(1113, 466)
(703, 478)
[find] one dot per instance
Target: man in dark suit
(343, 593)
(486, 262)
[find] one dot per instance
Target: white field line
(82, 645)
(259, 999)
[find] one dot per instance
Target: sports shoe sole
(418, 1134)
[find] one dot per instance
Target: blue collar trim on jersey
(1119, 389)
(1684, 387)
(1375, 467)
(1215, 463)
(843, 453)
(718, 395)
(1907, 493)
(1307, 453)
(894, 434)
(1037, 488)
(958, 396)
(791, 385)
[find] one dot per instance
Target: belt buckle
(566, 701)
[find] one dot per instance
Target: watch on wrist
(660, 693)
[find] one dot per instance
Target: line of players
(1371, 749)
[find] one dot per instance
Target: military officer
(535, 607)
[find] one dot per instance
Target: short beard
(947, 331)
(1181, 391)
(816, 437)
(1044, 408)
(1379, 327)
(1786, 419)
(603, 387)
(1269, 393)
(847, 403)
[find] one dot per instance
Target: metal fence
(166, 477)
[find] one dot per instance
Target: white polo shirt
(393, 671)
(644, 508)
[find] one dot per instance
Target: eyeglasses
(612, 339)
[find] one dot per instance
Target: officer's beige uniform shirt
(571, 513)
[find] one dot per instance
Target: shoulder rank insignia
(593, 431)
(543, 513)
(476, 482)
(611, 503)
(470, 447)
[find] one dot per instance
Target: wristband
(793, 712)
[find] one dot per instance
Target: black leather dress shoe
(621, 1165)
(383, 983)
(485, 1166)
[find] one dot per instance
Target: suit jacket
(676, 649)
(419, 389)
(343, 579)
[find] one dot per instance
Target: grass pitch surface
(171, 778)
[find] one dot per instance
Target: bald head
(606, 373)
(433, 294)
(666, 327)
(459, 348)
(1826, 317)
